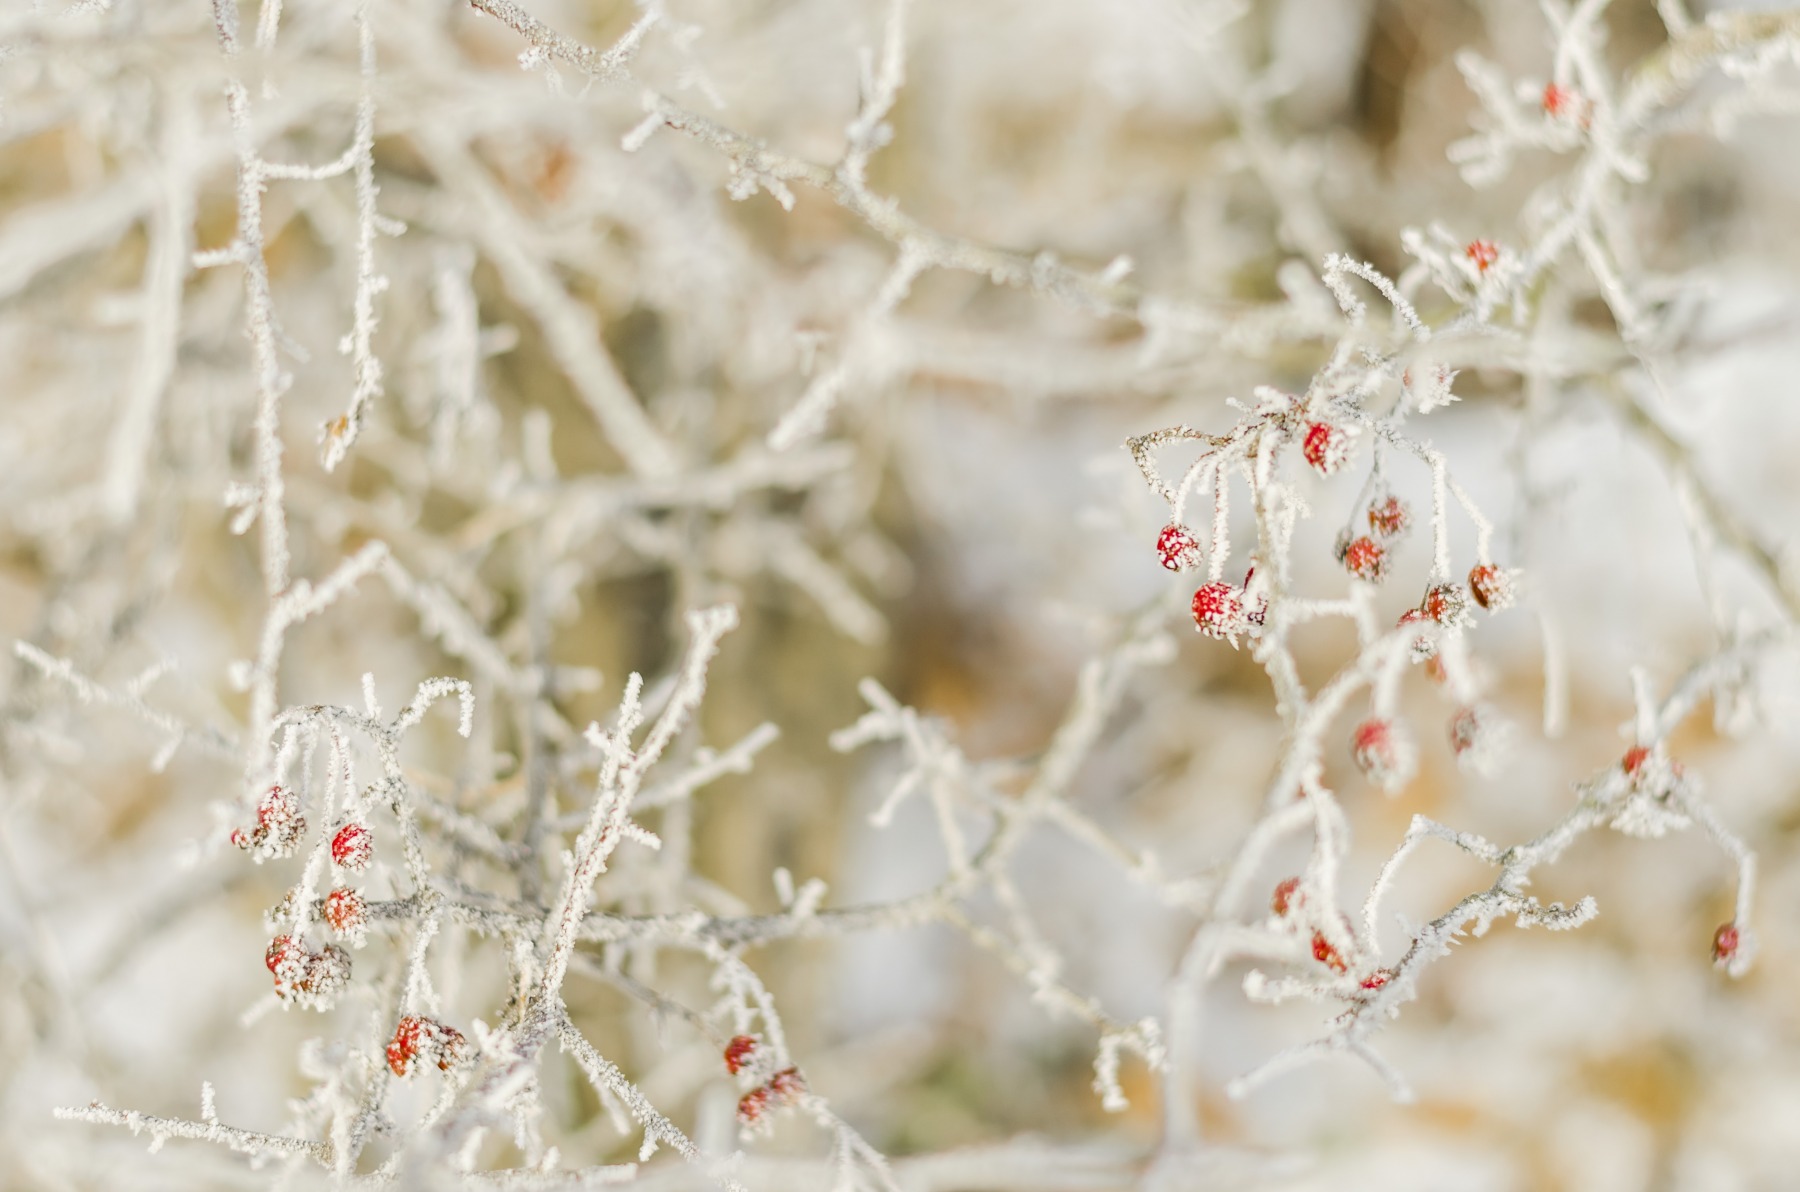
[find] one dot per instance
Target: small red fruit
(787, 1086)
(344, 911)
(1466, 729)
(281, 949)
(1484, 253)
(352, 846)
(1491, 586)
(1218, 610)
(1286, 896)
(753, 1104)
(279, 825)
(1424, 646)
(1326, 447)
(1446, 604)
(417, 1038)
(1383, 753)
(1725, 944)
(1377, 979)
(1389, 517)
(738, 1053)
(1177, 547)
(1634, 759)
(1326, 954)
(1366, 560)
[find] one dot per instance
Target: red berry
(1389, 517)
(1383, 753)
(1286, 896)
(1634, 759)
(1725, 944)
(1366, 560)
(1483, 252)
(1377, 979)
(1177, 547)
(1491, 586)
(1219, 610)
(1467, 728)
(753, 1104)
(1326, 954)
(1446, 604)
(344, 911)
(1424, 646)
(787, 1085)
(1326, 447)
(279, 825)
(418, 1038)
(352, 846)
(281, 949)
(738, 1053)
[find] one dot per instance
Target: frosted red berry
(1383, 753)
(1556, 99)
(352, 846)
(753, 1104)
(280, 951)
(1366, 560)
(1218, 610)
(1634, 759)
(1483, 253)
(344, 911)
(1466, 729)
(1326, 954)
(1491, 586)
(1377, 979)
(418, 1039)
(1725, 944)
(1286, 896)
(279, 825)
(1326, 447)
(1389, 518)
(1446, 604)
(1177, 547)
(787, 1086)
(1424, 646)
(738, 1053)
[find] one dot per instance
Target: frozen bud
(1286, 896)
(738, 1053)
(1446, 604)
(1482, 254)
(344, 911)
(1326, 447)
(279, 826)
(1177, 547)
(1725, 944)
(1383, 753)
(1219, 610)
(1491, 586)
(1389, 518)
(1366, 560)
(352, 846)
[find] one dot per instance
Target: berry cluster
(417, 1039)
(303, 975)
(781, 1089)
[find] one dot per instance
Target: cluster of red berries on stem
(419, 1039)
(309, 977)
(279, 825)
(783, 1087)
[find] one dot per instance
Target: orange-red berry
(1491, 586)
(1177, 547)
(1389, 517)
(1366, 560)
(1326, 447)
(738, 1053)
(352, 846)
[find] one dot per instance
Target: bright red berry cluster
(784, 1088)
